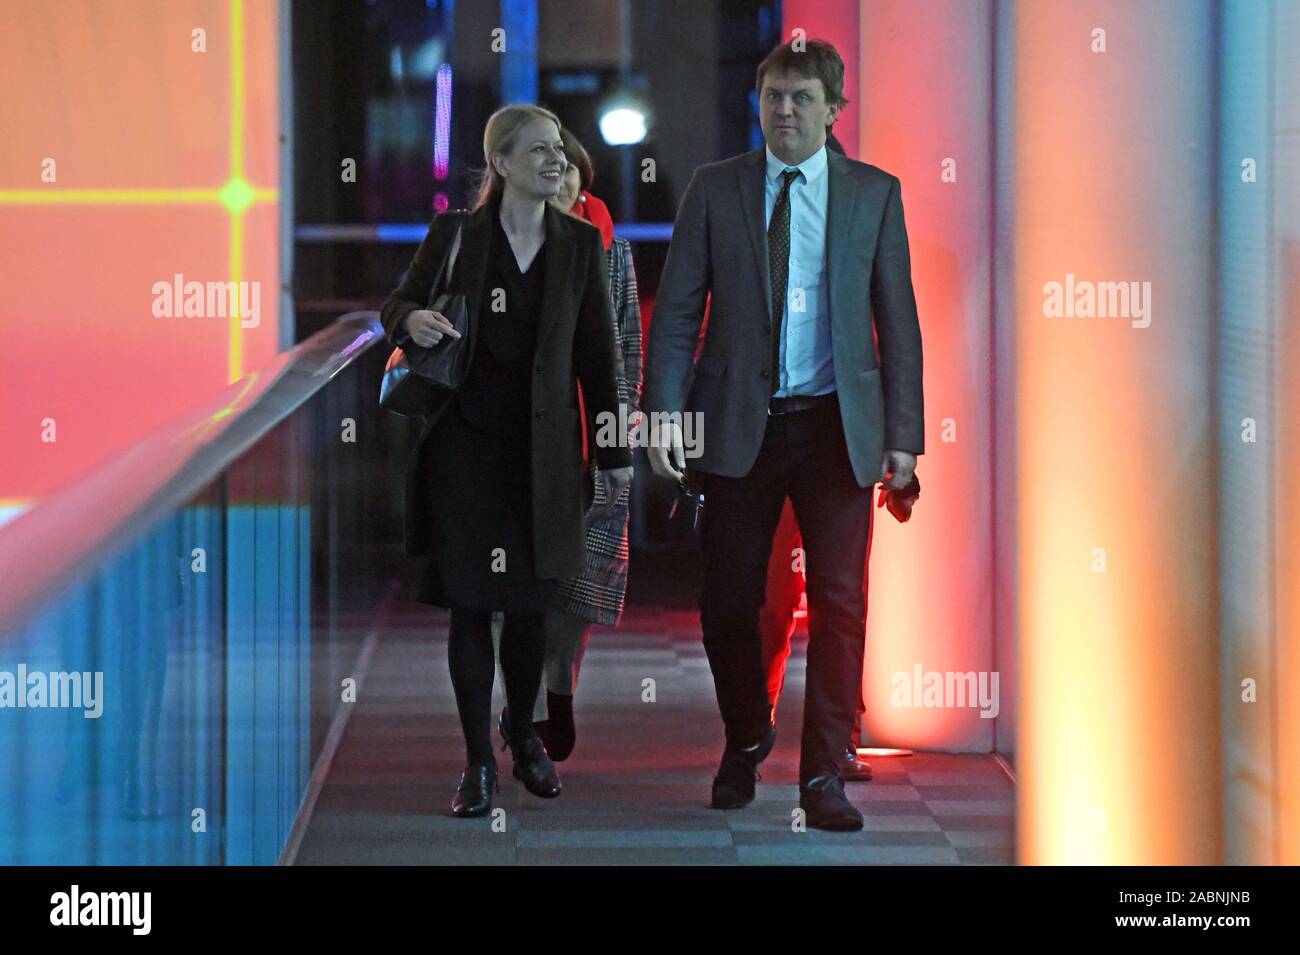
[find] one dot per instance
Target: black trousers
(805, 458)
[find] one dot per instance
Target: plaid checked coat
(596, 595)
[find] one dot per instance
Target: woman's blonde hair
(498, 137)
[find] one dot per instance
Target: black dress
(479, 454)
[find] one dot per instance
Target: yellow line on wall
(235, 360)
(237, 88)
(56, 196)
(236, 356)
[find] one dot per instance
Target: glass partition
(167, 705)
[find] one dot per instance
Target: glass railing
(178, 630)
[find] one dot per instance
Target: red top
(591, 209)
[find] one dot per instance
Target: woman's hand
(612, 483)
(427, 328)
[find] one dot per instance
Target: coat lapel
(475, 242)
(469, 272)
(558, 263)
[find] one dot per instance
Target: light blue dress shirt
(807, 365)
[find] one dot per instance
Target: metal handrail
(47, 548)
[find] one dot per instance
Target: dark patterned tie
(778, 264)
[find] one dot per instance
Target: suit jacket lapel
(841, 197)
(749, 180)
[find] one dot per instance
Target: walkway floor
(637, 786)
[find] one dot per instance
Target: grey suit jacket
(719, 248)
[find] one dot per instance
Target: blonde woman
(596, 595)
(495, 493)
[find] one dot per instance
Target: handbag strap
(448, 259)
(455, 245)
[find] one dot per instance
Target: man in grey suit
(808, 385)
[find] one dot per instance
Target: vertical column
(1284, 278)
(1115, 383)
(1246, 178)
(925, 114)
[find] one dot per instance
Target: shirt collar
(812, 167)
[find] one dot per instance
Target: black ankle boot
(534, 768)
(561, 733)
(474, 794)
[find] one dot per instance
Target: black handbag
(418, 381)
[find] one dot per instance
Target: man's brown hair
(818, 60)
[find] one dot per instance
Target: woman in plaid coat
(596, 595)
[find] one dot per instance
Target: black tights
(473, 666)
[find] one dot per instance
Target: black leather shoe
(826, 807)
(474, 794)
(733, 786)
(854, 769)
(534, 768)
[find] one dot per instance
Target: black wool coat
(576, 345)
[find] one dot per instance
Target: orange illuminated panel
(1117, 756)
(932, 680)
(144, 147)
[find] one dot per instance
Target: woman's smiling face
(534, 165)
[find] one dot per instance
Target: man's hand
(427, 328)
(896, 468)
(665, 450)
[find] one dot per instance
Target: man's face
(794, 115)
